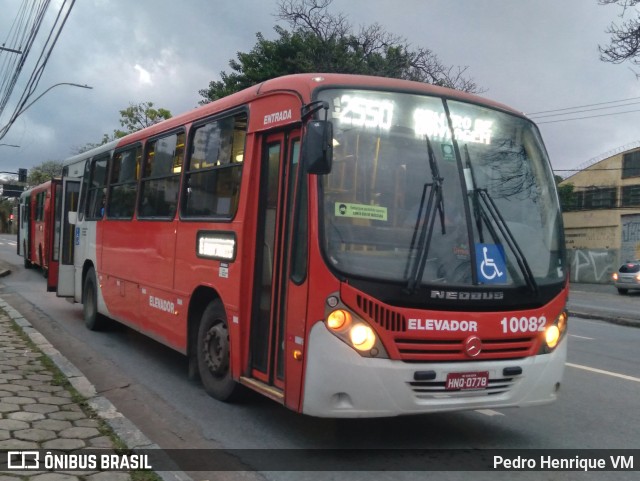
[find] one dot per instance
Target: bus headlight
(362, 337)
(554, 333)
(339, 319)
(355, 332)
(552, 336)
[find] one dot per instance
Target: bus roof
(302, 85)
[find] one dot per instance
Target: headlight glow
(562, 321)
(552, 336)
(362, 337)
(338, 319)
(352, 328)
(615, 276)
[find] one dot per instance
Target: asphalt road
(602, 301)
(597, 409)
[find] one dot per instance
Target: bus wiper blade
(485, 210)
(422, 233)
(489, 207)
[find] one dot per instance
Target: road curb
(5, 270)
(128, 432)
(622, 321)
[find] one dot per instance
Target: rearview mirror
(317, 149)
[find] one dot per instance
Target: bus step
(263, 388)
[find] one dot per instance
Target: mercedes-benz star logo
(473, 346)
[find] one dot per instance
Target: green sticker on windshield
(360, 211)
(448, 153)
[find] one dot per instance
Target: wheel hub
(216, 349)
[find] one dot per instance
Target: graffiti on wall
(592, 265)
(630, 240)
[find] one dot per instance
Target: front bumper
(340, 383)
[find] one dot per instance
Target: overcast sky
(534, 55)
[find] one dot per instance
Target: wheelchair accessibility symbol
(491, 264)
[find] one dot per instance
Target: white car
(627, 277)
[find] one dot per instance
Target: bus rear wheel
(27, 262)
(92, 318)
(213, 354)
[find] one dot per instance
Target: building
(601, 212)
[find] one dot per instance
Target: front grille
(410, 349)
(436, 389)
(384, 317)
(423, 350)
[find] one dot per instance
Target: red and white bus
(348, 246)
(38, 240)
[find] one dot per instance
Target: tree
(625, 37)
(6, 209)
(133, 118)
(44, 172)
(319, 41)
(137, 117)
(566, 193)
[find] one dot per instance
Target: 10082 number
(523, 324)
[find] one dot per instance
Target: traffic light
(22, 175)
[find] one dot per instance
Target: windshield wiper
(485, 211)
(421, 238)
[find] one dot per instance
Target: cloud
(532, 55)
(144, 75)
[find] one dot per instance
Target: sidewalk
(39, 412)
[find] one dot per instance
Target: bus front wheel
(214, 354)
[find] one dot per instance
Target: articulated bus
(38, 240)
(347, 246)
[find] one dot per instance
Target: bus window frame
(186, 167)
(148, 142)
(136, 182)
(89, 173)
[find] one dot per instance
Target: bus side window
(83, 191)
(214, 168)
(123, 183)
(161, 177)
(94, 208)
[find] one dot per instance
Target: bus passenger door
(25, 229)
(67, 237)
(52, 236)
(279, 303)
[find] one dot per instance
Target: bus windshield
(428, 191)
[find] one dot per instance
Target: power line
(531, 114)
(21, 37)
(566, 111)
(587, 110)
(587, 117)
(41, 63)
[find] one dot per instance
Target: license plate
(467, 380)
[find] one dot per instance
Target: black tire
(27, 262)
(213, 354)
(622, 291)
(92, 318)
